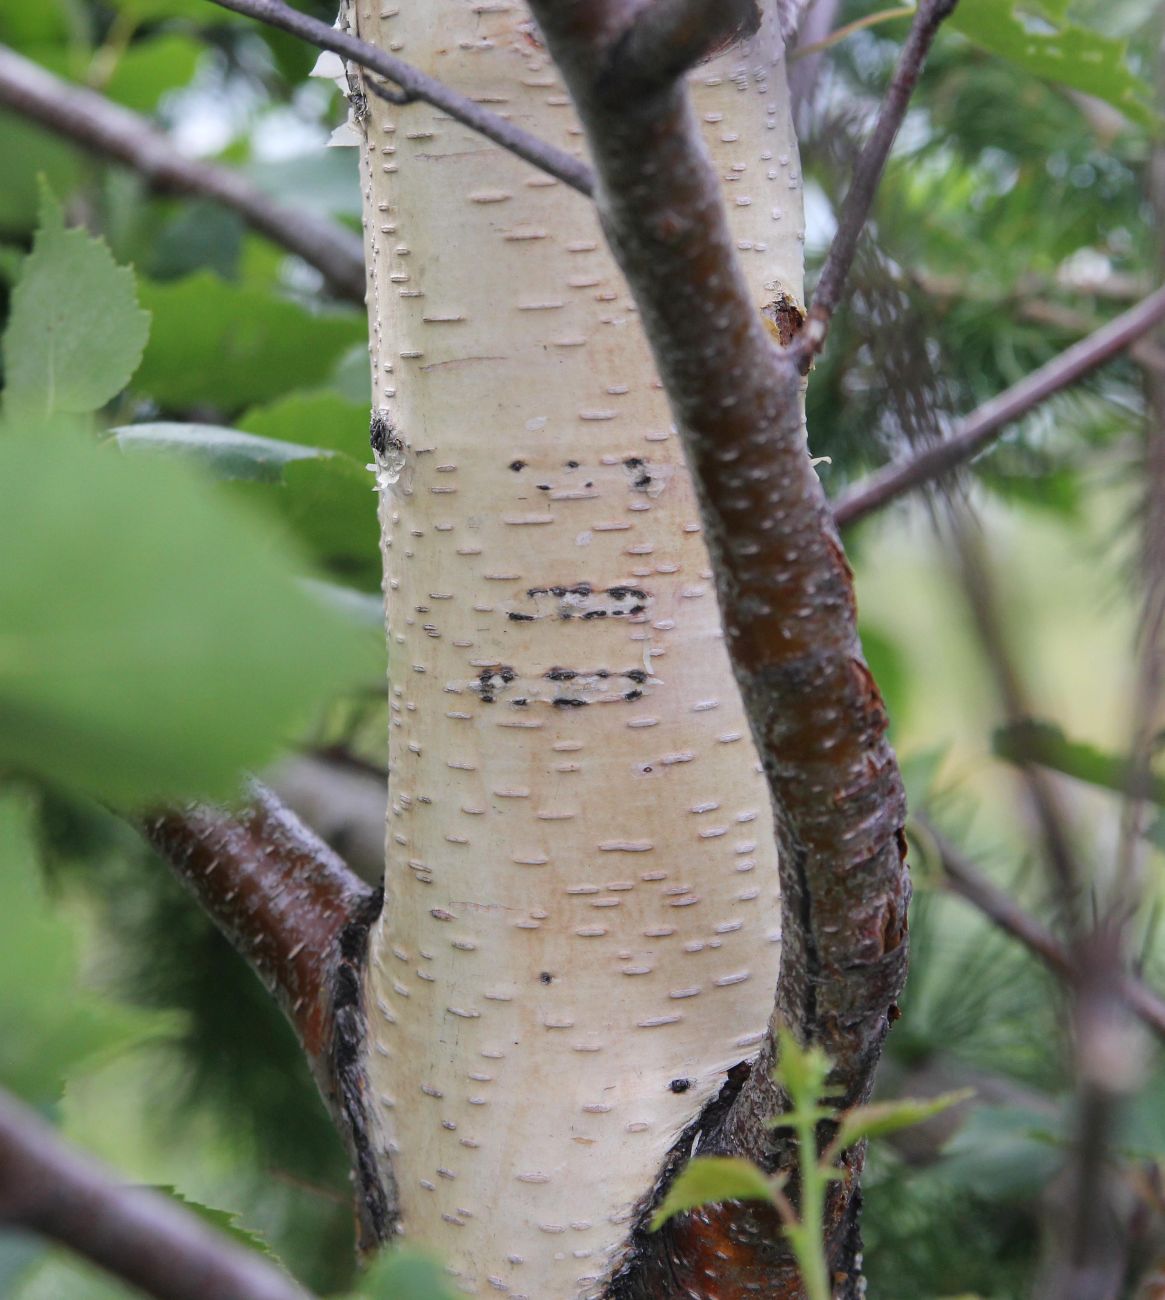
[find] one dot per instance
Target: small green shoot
(802, 1072)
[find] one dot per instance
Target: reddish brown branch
(91, 120)
(300, 917)
(868, 171)
(415, 84)
(279, 894)
(985, 424)
(787, 602)
(140, 1236)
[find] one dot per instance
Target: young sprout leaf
(713, 1178)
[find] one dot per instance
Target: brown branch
(415, 84)
(868, 172)
(89, 119)
(985, 424)
(138, 1235)
(667, 37)
(300, 918)
(966, 880)
(787, 602)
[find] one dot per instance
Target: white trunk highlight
(581, 874)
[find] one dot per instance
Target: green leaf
(150, 68)
(881, 1118)
(329, 504)
(321, 419)
(226, 1222)
(53, 1024)
(26, 153)
(1034, 741)
(713, 1178)
(802, 1072)
(331, 507)
(76, 333)
(154, 641)
(325, 497)
(1048, 46)
(226, 453)
(219, 345)
(404, 1275)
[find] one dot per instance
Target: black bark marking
(382, 434)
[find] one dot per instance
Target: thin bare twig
(91, 120)
(138, 1235)
(868, 173)
(418, 85)
(986, 423)
(966, 880)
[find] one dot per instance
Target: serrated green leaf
(881, 1118)
(219, 345)
(1058, 51)
(52, 1025)
(75, 333)
(404, 1275)
(225, 453)
(713, 1178)
(225, 1221)
(154, 641)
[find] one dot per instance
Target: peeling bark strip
(301, 918)
(787, 596)
(580, 941)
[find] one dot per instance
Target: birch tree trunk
(580, 936)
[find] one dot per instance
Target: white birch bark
(581, 931)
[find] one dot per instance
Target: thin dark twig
(138, 1235)
(966, 880)
(868, 172)
(983, 425)
(418, 85)
(89, 119)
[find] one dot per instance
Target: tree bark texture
(581, 932)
